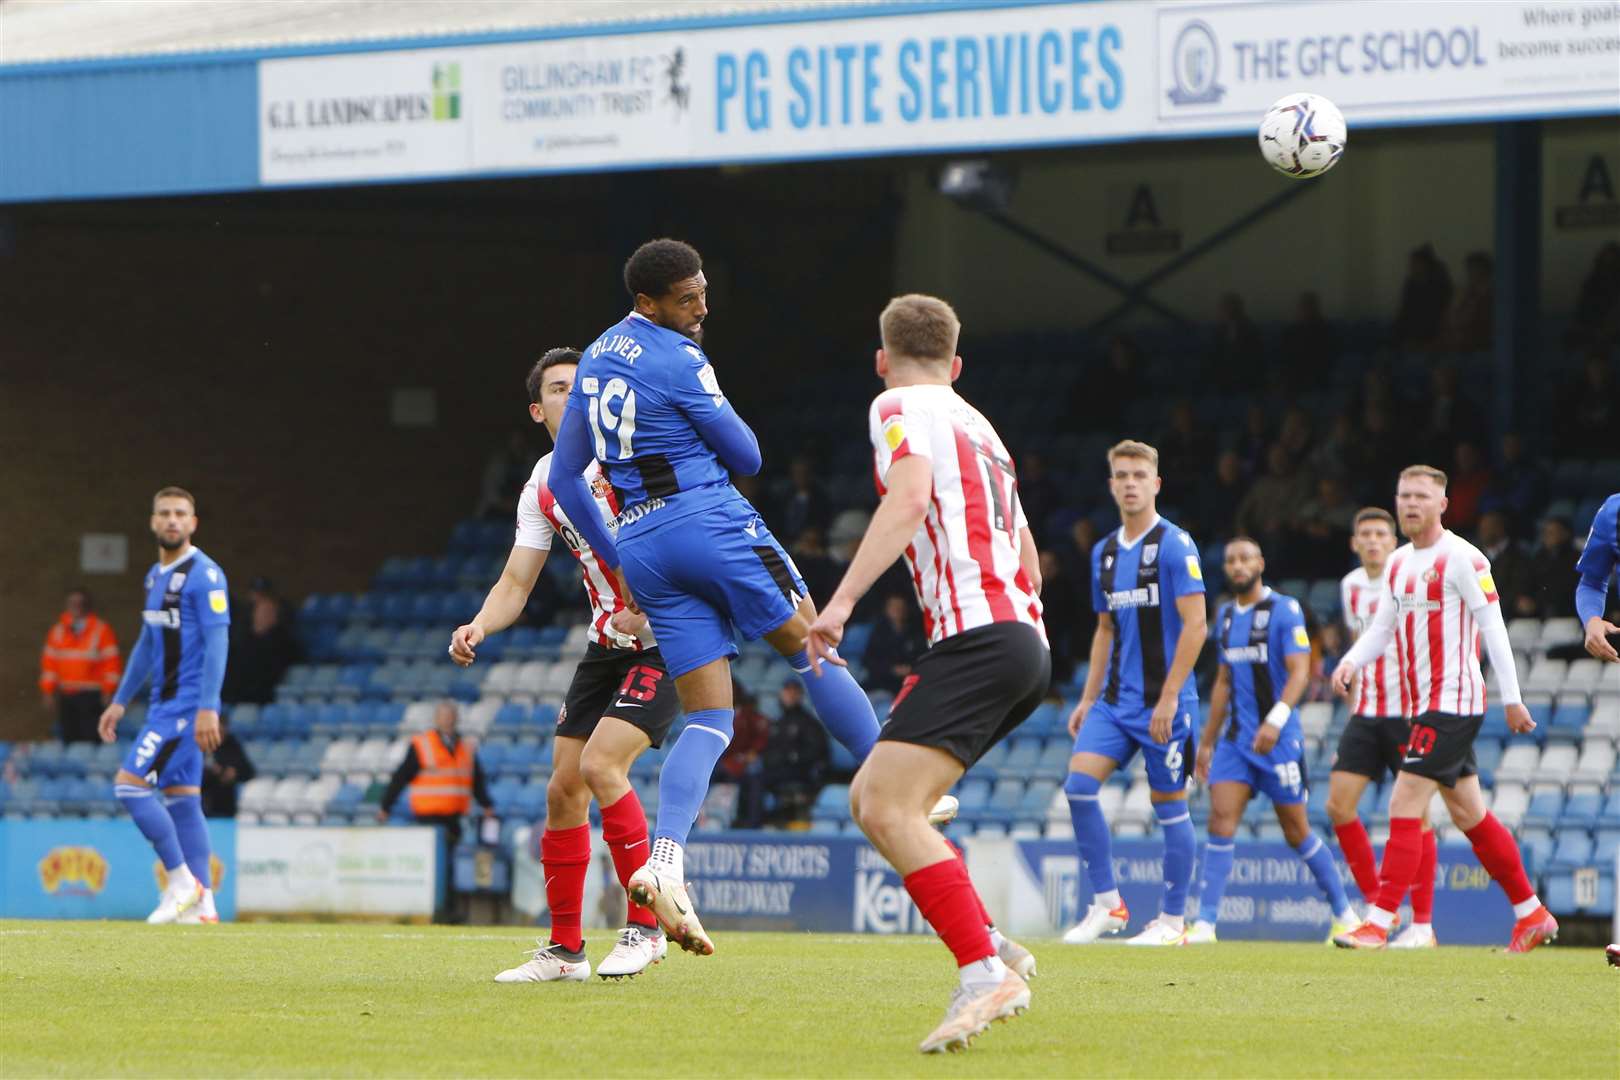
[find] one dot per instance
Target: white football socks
(982, 975)
(668, 857)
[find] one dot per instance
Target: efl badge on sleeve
(217, 602)
(1194, 571)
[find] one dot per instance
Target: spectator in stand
(1184, 449)
(1597, 310)
(1380, 456)
(79, 668)
(795, 757)
(443, 774)
(1445, 417)
(1552, 571)
(896, 642)
(1255, 439)
(1468, 326)
(1237, 360)
(1332, 453)
(1213, 504)
(1268, 508)
(740, 764)
(1309, 346)
(261, 656)
(1425, 300)
(1470, 477)
(1294, 434)
(1510, 566)
(1060, 612)
(821, 575)
(804, 504)
(1076, 559)
(1518, 486)
(1589, 413)
(1320, 525)
(505, 473)
(1101, 396)
(226, 769)
(1329, 647)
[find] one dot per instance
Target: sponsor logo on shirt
(1247, 654)
(1406, 603)
(636, 513)
(1144, 596)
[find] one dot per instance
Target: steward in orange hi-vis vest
(443, 785)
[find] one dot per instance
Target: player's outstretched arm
(1102, 644)
(1219, 697)
(910, 483)
(567, 481)
(505, 602)
(135, 673)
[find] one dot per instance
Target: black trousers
(78, 714)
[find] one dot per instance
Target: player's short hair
(1428, 471)
(551, 358)
(1243, 539)
(1135, 449)
(920, 328)
(658, 264)
(172, 492)
(1373, 513)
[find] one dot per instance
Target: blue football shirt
(182, 601)
(1138, 584)
(1254, 644)
(1602, 552)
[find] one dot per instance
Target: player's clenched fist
(1341, 679)
(1206, 754)
(464, 643)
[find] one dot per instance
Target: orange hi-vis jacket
(75, 663)
(443, 785)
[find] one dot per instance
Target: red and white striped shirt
(539, 518)
(1434, 603)
(964, 559)
(1377, 691)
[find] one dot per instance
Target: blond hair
(1132, 448)
(1428, 471)
(919, 328)
(172, 492)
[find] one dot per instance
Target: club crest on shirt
(178, 581)
(1262, 619)
(600, 486)
(1430, 576)
(1150, 554)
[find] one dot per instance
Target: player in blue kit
(1148, 590)
(1264, 652)
(697, 558)
(1597, 565)
(184, 639)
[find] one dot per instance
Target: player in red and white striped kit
(620, 702)
(950, 506)
(1436, 603)
(1375, 738)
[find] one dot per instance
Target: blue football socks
(843, 706)
(684, 781)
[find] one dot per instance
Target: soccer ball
(1302, 135)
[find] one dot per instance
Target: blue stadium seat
(1054, 761)
(1487, 756)
(832, 804)
(840, 758)
(1611, 809)
(1323, 599)
(1021, 757)
(1581, 811)
(853, 647)
(1572, 849)
(1605, 845)
(1536, 845)
(1545, 806)
(1570, 717)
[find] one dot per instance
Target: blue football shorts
(705, 578)
(166, 751)
(1279, 775)
(1119, 733)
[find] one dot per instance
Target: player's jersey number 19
(612, 409)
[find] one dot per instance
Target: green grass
(114, 999)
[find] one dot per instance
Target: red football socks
(624, 828)
(962, 857)
(1358, 854)
(1499, 855)
(566, 856)
(945, 896)
(1401, 857)
(1423, 884)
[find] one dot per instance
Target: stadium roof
(32, 31)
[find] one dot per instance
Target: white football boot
(634, 953)
(944, 811)
(1417, 936)
(1098, 921)
(549, 963)
(969, 1014)
(202, 912)
(654, 889)
(1201, 933)
(179, 896)
(1159, 932)
(1016, 957)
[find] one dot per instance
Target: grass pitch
(117, 999)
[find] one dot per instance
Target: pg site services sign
(961, 78)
